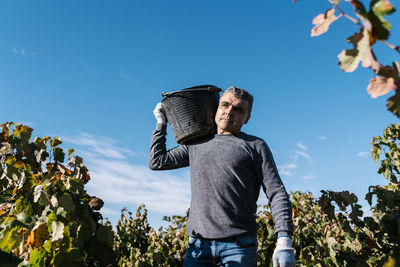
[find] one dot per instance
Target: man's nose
(229, 110)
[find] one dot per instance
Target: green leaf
(24, 264)
(70, 258)
(393, 104)
(22, 217)
(59, 154)
(37, 257)
(24, 132)
(105, 234)
(67, 203)
(380, 27)
(11, 238)
(24, 205)
(75, 255)
(39, 196)
(61, 212)
(47, 245)
(51, 218)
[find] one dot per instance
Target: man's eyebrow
(240, 108)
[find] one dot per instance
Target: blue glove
(284, 253)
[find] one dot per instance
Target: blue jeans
(235, 251)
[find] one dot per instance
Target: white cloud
(286, 169)
(362, 154)
(302, 146)
(17, 49)
(308, 177)
(303, 154)
(98, 146)
(123, 183)
(321, 137)
(107, 211)
(117, 181)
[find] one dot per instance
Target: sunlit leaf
(39, 195)
(322, 22)
(379, 86)
(57, 234)
(37, 257)
(61, 212)
(55, 141)
(96, 203)
(11, 239)
(24, 132)
(349, 59)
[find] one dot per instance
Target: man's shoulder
(250, 138)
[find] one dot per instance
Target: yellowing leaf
(20, 164)
(322, 22)
(46, 139)
(23, 131)
(349, 59)
(70, 151)
(55, 141)
(38, 235)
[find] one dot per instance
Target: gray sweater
(226, 174)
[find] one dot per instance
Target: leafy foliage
(373, 27)
(137, 244)
(46, 217)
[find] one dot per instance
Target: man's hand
(284, 253)
(159, 114)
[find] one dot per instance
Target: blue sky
(91, 72)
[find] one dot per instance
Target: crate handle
(208, 88)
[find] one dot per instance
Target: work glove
(159, 114)
(284, 253)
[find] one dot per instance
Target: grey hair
(241, 94)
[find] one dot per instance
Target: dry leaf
(379, 86)
(322, 22)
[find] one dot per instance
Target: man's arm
(276, 193)
(281, 210)
(159, 157)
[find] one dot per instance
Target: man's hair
(241, 94)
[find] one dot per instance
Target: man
(227, 171)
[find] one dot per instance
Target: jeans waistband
(225, 239)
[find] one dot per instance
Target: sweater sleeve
(160, 158)
(276, 193)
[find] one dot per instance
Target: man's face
(232, 114)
